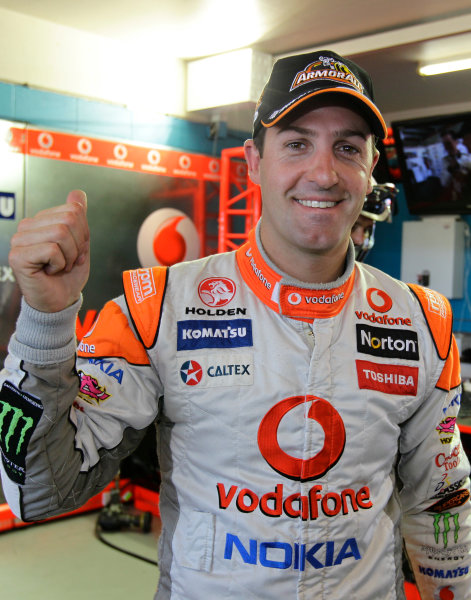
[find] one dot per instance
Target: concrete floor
(63, 560)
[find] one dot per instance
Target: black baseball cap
(295, 79)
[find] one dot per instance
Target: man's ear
(370, 179)
(252, 156)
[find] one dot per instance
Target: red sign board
(118, 155)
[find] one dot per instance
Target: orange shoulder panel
(111, 335)
(451, 374)
(145, 291)
(437, 312)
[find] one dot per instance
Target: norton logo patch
(297, 468)
(391, 343)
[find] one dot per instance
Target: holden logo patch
(216, 291)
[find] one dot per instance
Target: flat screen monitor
(434, 157)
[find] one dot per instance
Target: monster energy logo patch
(19, 415)
(447, 517)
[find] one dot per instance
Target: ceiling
(387, 38)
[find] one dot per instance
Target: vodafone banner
(118, 155)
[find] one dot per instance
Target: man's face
(361, 230)
(449, 143)
(314, 175)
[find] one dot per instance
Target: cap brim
(370, 111)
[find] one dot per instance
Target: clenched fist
(50, 254)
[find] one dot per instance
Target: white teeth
(316, 203)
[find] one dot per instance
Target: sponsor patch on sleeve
(390, 379)
(19, 415)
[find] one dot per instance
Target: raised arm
(50, 254)
(60, 442)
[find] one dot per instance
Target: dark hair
(451, 132)
(259, 141)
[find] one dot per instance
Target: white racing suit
(303, 430)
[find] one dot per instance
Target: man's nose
(322, 169)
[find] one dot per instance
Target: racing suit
(303, 430)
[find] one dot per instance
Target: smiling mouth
(316, 203)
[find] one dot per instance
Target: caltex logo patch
(191, 372)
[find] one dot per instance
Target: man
(456, 164)
(306, 416)
(377, 207)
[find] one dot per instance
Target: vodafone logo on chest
(296, 468)
(379, 300)
(316, 501)
(381, 303)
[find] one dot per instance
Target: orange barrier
(143, 499)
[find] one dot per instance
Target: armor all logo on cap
(326, 68)
(296, 468)
(216, 291)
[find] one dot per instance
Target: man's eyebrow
(296, 129)
(346, 133)
(341, 133)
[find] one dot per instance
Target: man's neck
(309, 267)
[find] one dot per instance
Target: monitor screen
(434, 156)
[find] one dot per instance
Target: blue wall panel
(7, 105)
(47, 110)
(67, 113)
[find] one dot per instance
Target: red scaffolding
(239, 201)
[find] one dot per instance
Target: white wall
(61, 59)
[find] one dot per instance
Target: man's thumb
(77, 196)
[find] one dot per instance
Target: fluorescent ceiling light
(448, 66)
